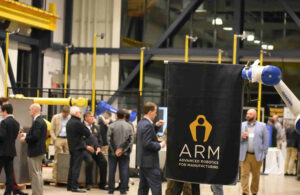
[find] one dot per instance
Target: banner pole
(260, 89)
(186, 56)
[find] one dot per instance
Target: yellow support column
(259, 89)
(6, 63)
(235, 37)
(66, 71)
(94, 74)
(234, 49)
(141, 70)
(220, 56)
(186, 54)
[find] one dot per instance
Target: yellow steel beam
(32, 16)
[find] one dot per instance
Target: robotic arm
(271, 75)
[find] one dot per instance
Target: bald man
(253, 150)
(280, 131)
(36, 139)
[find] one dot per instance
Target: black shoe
(123, 192)
(244, 194)
(103, 187)
(78, 190)
(110, 192)
(19, 192)
(88, 187)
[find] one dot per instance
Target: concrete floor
(269, 185)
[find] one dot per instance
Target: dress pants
(187, 189)
(298, 167)
(123, 162)
(101, 163)
(291, 156)
(250, 165)
(217, 189)
(35, 165)
(150, 178)
(179, 186)
(74, 169)
(60, 146)
(7, 163)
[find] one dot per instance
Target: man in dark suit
(36, 140)
(147, 152)
(16, 190)
(76, 132)
(95, 140)
(9, 130)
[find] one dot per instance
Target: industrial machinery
(103, 106)
(271, 75)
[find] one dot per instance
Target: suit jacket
(9, 129)
(103, 130)
(291, 137)
(120, 135)
(95, 139)
(261, 141)
(36, 137)
(147, 145)
(56, 125)
(76, 132)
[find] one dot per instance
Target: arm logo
(200, 122)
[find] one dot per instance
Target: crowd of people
(91, 139)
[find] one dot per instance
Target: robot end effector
(271, 75)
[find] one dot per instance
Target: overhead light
(264, 46)
(250, 38)
(257, 41)
(227, 28)
(217, 21)
(270, 47)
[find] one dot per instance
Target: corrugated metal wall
(89, 17)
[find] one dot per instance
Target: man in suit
(9, 130)
(76, 132)
(58, 134)
(16, 190)
(120, 140)
(36, 140)
(104, 121)
(95, 140)
(253, 150)
(147, 152)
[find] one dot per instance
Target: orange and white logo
(200, 122)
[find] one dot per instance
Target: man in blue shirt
(253, 150)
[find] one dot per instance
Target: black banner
(204, 122)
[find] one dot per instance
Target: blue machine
(103, 106)
(271, 75)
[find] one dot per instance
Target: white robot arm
(271, 75)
